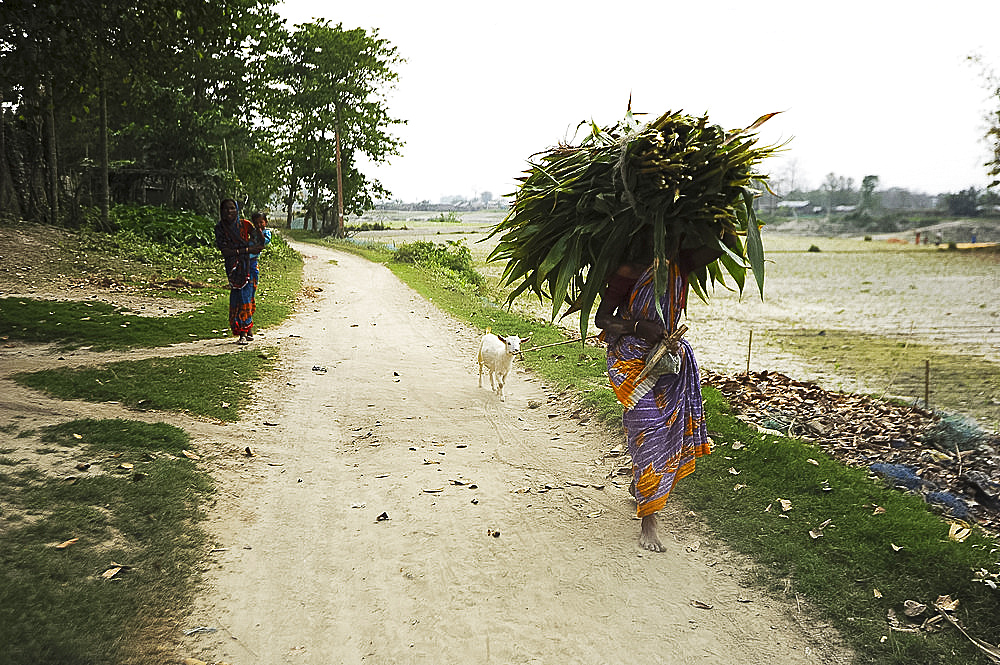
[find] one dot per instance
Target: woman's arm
(616, 292)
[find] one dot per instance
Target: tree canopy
(326, 98)
(179, 102)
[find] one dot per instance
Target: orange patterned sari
(664, 415)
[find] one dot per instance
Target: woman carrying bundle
(664, 415)
(240, 243)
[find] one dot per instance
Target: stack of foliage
(581, 209)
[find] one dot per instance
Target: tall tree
(328, 101)
(963, 204)
(868, 201)
(154, 87)
(992, 83)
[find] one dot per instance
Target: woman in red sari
(240, 242)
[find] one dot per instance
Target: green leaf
(754, 246)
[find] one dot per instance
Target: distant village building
(795, 207)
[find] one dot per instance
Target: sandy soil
(395, 512)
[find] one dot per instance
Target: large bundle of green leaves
(678, 180)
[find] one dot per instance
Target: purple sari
(664, 415)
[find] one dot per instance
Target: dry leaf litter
(946, 459)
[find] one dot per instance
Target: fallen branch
(992, 652)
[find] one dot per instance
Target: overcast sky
(880, 87)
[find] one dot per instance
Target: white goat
(497, 355)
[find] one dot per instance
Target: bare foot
(647, 535)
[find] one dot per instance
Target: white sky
(877, 87)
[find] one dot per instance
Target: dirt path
(375, 410)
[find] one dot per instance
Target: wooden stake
(927, 384)
(749, 346)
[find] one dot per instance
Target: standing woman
(664, 416)
(238, 239)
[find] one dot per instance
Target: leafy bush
(169, 227)
(453, 259)
(137, 246)
(352, 229)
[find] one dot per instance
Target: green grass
(904, 552)
(216, 386)
(55, 606)
(138, 504)
(73, 324)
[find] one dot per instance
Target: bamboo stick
(668, 342)
(568, 341)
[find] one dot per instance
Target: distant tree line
(180, 102)
(838, 194)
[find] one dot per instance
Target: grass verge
(879, 549)
(73, 324)
(214, 386)
(95, 564)
(91, 567)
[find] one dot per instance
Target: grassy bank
(191, 280)
(95, 563)
(877, 548)
(100, 518)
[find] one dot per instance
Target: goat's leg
(480, 373)
(500, 381)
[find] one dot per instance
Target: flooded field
(876, 317)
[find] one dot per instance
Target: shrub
(351, 229)
(452, 259)
(161, 225)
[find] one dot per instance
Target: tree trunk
(292, 182)
(313, 205)
(8, 194)
(340, 177)
(51, 155)
(105, 194)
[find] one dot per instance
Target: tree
(101, 95)
(868, 201)
(963, 204)
(327, 104)
(837, 190)
(992, 82)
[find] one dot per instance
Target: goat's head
(514, 343)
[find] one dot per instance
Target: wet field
(873, 316)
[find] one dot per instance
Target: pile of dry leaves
(953, 467)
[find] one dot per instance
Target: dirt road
(394, 512)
